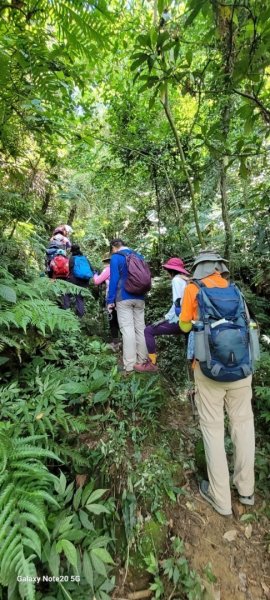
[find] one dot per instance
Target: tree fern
(24, 505)
(31, 307)
(7, 293)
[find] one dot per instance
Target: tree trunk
(12, 230)
(166, 106)
(224, 17)
(155, 182)
(180, 221)
(72, 214)
(46, 202)
(225, 211)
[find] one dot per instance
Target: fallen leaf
(265, 589)
(230, 535)
(81, 479)
(248, 531)
(190, 506)
(39, 416)
(238, 510)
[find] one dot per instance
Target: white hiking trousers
(211, 398)
(130, 315)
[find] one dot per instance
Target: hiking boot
(127, 373)
(146, 367)
(115, 346)
(123, 371)
(248, 500)
(203, 489)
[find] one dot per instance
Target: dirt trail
(241, 566)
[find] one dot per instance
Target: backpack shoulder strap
(124, 253)
(199, 284)
(243, 301)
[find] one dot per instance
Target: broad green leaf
(138, 62)
(98, 564)
(97, 509)
(69, 550)
(103, 555)
(161, 5)
(96, 495)
(101, 396)
(77, 498)
(54, 560)
(85, 521)
(88, 569)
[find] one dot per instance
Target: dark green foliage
(84, 140)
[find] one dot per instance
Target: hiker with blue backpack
(80, 273)
(130, 279)
(226, 348)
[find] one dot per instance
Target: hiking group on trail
(222, 341)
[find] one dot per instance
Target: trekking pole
(191, 393)
(101, 304)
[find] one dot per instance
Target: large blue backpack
(223, 350)
(82, 268)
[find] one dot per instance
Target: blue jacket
(118, 278)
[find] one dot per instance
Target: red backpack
(60, 266)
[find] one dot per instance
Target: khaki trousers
(130, 315)
(211, 396)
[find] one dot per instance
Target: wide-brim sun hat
(175, 264)
(208, 256)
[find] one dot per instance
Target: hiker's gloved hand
(185, 326)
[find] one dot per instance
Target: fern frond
(11, 534)
(26, 569)
(22, 441)
(10, 556)
(34, 453)
(31, 536)
(35, 472)
(24, 517)
(34, 509)
(4, 496)
(8, 341)
(7, 293)
(6, 516)
(44, 496)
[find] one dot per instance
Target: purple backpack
(138, 281)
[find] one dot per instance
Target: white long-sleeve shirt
(178, 288)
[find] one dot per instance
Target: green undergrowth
(89, 460)
(85, 468)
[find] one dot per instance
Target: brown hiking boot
(146, 367)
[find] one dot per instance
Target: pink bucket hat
(175, 264)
